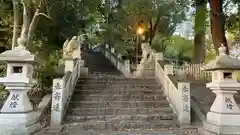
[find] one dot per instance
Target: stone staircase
(107, 103)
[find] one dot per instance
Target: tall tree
(200, 30)
(16, 15)
(218, 24)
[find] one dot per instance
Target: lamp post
(140, 31)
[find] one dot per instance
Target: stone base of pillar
(84, 71)
(230, 124)
(19, 124)
(141, 73)
(82, 63)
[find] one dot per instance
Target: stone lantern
(224, 115)
(17, 115)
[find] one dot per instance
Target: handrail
(63, 89)
(178, 96)
(114, 55)
(170, 89)
(71, 84)
(122, 65)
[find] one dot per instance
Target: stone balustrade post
(127, 67)
(119, 56)
(69, 65)
(107, 46)
(112, 50)
(106, 50)
(168, 69)
(77, 53)
(58, 99)
(184, 110)
(159, 56)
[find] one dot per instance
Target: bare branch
(33, 25)
(26, 20)
(42, 14)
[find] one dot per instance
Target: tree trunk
(16, 22)
(200, 30)
(239, 19)
(218, 25)
(26, 23)
(32, 27)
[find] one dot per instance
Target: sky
(185, 29)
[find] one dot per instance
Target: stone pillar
(168, 69)
(113, 59)
(112, 50)
(184, 111)
(58, 102)
(107, 51)
(159, 56)
(107, 46)
(119, 56)
(127, 68)
(77, 53)
(69, 65)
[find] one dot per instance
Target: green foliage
(210, 53)
(47, 71)
(121, 21)
(160, 43)
(232, 24)
(5, 23)
(179, 48)
(3, 92)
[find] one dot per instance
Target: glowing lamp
(140, 31)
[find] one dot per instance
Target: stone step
(113, 86)
(101, 74)
(113, 69)
(99, 67)
(120, 110)
(119, 125)
(122, 104)
(164, 113)
(158, 131)
(117, 91)
(117, 81)
(123, 97)
(115, 78)
(154, 118)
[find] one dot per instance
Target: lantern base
(222, 124)
(19, 124)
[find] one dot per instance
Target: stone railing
(115, 58)
(62, 92)
(192, 72)
(63, 87)
(177, 94)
